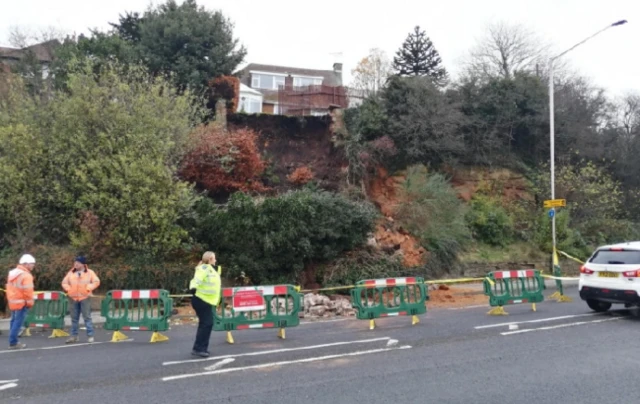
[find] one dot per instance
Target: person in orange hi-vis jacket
(79, 284)
(20, 297)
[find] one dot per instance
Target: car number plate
(606, 274)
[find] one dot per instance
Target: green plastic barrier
(376, 298)
(513, 287)
(48, 311)
(258, 307)
(137, 310)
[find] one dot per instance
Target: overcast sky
(310, 33)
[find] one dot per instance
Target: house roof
(330, 77)
(249, 90)
(43, 51)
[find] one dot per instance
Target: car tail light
(631, 274)
(616, 249)
(585, 270)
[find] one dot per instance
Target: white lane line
(220, 364)
(282, 363)
(540, 320)
(337, 320)
(467, 307)
(8, 381)
(392, 342)
(61, 346)
(553, 327)
(8, 386)
(274, 351)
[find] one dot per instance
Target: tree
(108, 148)
(372, 72)
(506, 49)
(423, 124)
(418, 57)
(184, 41)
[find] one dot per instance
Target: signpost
(248, 300)
(555, 203)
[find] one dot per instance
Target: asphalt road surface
(563, 353)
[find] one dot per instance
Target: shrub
(227, 88)
(357, 265)
(568, 239)
(300, 176)
(274, 237)
(223, 161)
(433, 212)
(489, 221)
(108, 146)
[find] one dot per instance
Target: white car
(611, 276)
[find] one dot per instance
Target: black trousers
(204, 311)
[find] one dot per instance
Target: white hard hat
(27, 259)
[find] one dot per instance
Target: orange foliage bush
(228, 88)
(223, 161)
(300, 176)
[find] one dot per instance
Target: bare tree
(371, 73)
(630, 115)
(506, 49)
(22, 37)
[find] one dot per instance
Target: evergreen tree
(418, 57)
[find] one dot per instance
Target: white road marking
(540, 320)
(220, 364)
(553, 327)
(467, 307)
(60, 346)
(7, 384)
(325, 321)
(513, 327)
(392, 342)
(282, 363)
(274, 351)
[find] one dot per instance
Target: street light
(551, 120)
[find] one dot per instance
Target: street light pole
(552, 121)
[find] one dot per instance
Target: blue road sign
(552, 212)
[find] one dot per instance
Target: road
(561, 353)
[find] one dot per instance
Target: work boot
(18, 346)
(200, 354)
(72, 340)
(90, 340)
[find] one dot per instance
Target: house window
(279, 81)
(306, 81)
(251, 106)
(266, 81)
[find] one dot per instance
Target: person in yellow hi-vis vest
(205, 288)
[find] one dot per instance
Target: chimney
(288, 82)
(337, 70)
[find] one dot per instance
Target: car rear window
(625, 257)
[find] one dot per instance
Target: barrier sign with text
(555, 203)
(248, 300)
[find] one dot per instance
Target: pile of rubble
(316, 305)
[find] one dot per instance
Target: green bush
(489, 221)
(106, 148)
(362, 264)
(433, 212)
(568, 239)
(273, 237)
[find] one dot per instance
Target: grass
(521, 251)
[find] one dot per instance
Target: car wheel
(598, 306)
